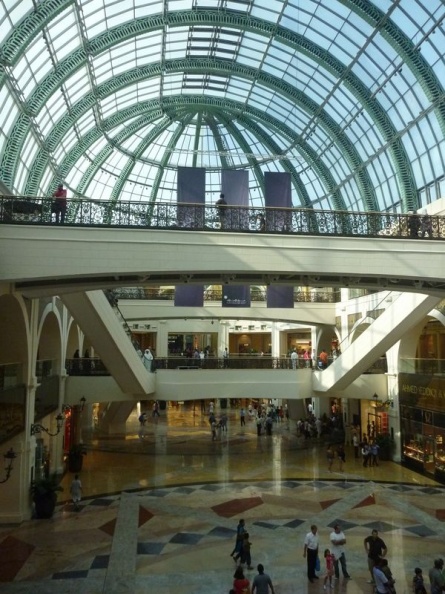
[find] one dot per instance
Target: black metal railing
(85, 366)
(193, 217)
(95, 367)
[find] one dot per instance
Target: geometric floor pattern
(185, 511)
(179, 530)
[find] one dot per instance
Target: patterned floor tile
(235, 507)
(420, 530)
(100, 562)
(13, 554)
(150, 548)
(186, 538)
(70, 575)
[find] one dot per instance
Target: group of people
(154, 413)
(376, 550)
(261, 583)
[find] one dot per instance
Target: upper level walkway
(56, 259)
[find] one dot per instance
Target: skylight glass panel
(63, 33)
(17, 10)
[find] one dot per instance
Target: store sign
(423, 391)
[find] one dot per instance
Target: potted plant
(386, 445)
(44, 494)
(75, 457)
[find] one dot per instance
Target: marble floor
(161, 504)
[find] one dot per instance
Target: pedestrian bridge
(50, 259)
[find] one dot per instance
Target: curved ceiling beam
(197, 138)
(236, 110)
(408, 52)
(221, 145)
(131, 162)
(228, 68)
(244, 145)
(233, 19)
(312, 157)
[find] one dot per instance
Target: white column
(162, 339)
(275, 337)
(223, 337)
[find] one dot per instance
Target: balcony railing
(95, 367)
(193, 217)
(427, 366)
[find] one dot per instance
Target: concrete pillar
(275, 337)
(162, 339)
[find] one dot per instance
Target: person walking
(437, 578)
(241, 584)
(375, 549)
(355, 444)
(240, 530)
(418, 583)
(262, 582)
(294, 359)
(76, 491)
(245, 551)
(243, 417)
(366, 453)
(374, 453)
(341, 456)
(338, 541)
(310, 552)
(330, 457)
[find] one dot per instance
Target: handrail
(34, 210)
(95, 367)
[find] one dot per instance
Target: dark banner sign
(189, 295)
(236, 296)
(422, 391)
(280, 296)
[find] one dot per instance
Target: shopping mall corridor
(161, 504)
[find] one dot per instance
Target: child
(245, 551)
(329, 559)
(418, 585)
(383, 563)
(76, 491)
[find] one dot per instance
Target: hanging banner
(191, 202)
(189, 295)
(235, 216)
(236, 296)
(278, 195)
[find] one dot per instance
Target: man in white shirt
(294, 358)
(338, 541)
(311, 552)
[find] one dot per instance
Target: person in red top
(59, 204)
(323, 356)
(241, 585)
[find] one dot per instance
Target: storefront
(422, 419)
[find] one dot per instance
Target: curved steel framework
(111, 98)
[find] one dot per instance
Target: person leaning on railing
(59, 204)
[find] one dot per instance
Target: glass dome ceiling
(111, 96)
